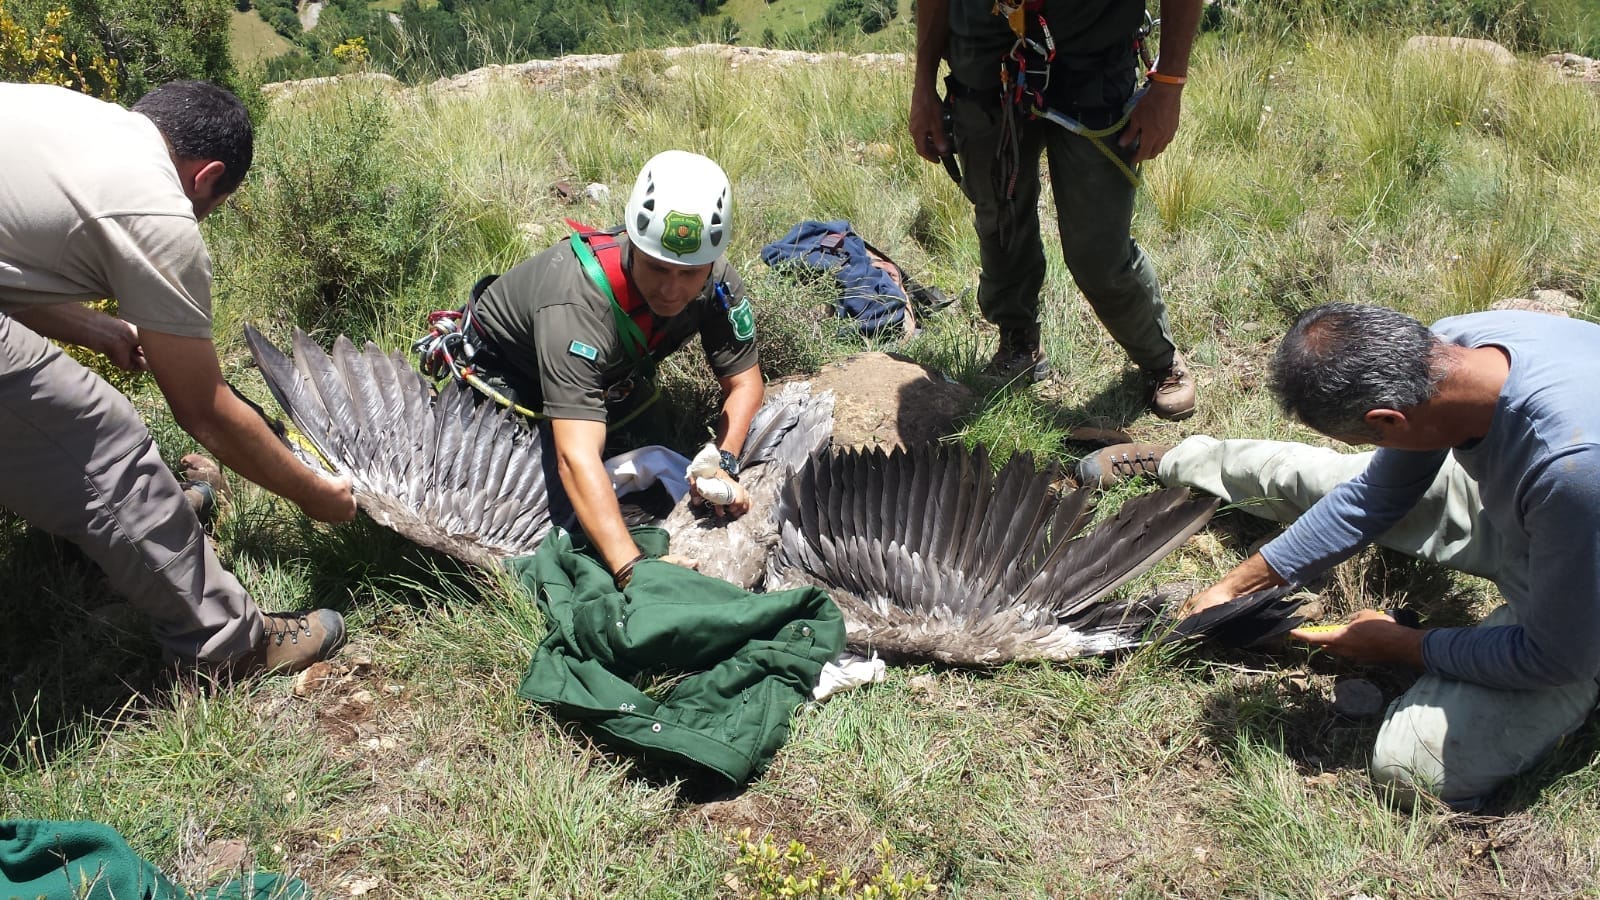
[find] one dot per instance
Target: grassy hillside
(253, 41)
(1324, 167)
(793, 17)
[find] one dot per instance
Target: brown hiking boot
(1120, 462)
(1018, 358)
(204, 485)
(292, 642)
(1172, 392)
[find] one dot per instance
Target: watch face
(730, 463)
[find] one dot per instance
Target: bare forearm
(933, 39)
(741, 400)
(1254, 574)
(595, 502)
(70, 323)
(240, 440)
(1180, 20)
(1246, 578)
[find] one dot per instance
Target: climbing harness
(454, 337)
(1025, 78)
(450, 346)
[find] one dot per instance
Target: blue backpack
(869, 294)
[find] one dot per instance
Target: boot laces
(286, 625)
(1130, 464)
(1170, 380)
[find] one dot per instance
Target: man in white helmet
(573, 334)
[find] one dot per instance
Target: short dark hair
(203, 121)
(1340, 361)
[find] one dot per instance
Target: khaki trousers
(76, 461)
(1454, 739)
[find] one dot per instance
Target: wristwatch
(730, 464)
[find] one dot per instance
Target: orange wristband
(1159, 78)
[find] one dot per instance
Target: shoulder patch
(579, 348)
(743, 319)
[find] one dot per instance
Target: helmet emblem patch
(680, 233)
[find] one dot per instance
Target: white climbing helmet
(679, 209)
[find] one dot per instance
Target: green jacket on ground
(91, 861)
(755, 657)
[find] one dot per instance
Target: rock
(542, 73)
(533, 231)
(1555, 303)
(1572, 67)
(1459, 46)
(595, 192)
(283, 89)
(1357, 698)
(220, 859)
(313, 678)
(884, 401)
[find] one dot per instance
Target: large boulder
(1427, 43)
(886, 401)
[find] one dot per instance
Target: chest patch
(579, 348)
(743, 319)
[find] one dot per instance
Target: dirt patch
(886, 401)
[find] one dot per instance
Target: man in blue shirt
(1489, 462)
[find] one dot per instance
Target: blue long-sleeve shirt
(1538, 476)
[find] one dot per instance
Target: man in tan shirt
(97, 201)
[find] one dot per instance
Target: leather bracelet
(1160, 78)
(625, 574)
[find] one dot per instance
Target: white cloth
(638, 469)
(847, 672)
(91, 207)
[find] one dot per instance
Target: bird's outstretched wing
(933, 555)
(442, 470)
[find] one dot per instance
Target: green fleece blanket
(752, 658)
(91, 861)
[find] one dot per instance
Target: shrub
(334, 221)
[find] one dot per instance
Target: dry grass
(1304, 174)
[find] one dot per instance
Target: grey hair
(1339, 361)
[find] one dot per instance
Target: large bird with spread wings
(930, 553)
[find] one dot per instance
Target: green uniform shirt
(979, 38)
(556, 336)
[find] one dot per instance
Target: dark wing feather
(444, 471)
(931, 555)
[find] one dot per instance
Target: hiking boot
(204, 486)
(292, 642)
(1018, 358)
(1172, 392)
(1120, 462)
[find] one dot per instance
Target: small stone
(596, 192)
(314, 678)
(922, 684)
(1357, 698)
(219, 858)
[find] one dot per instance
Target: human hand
(1369, 637)
(333, 500)
(1216, 595)
(927, 124)
(738, 502)
(1153, 122)
(684, 561)
(120, 344)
